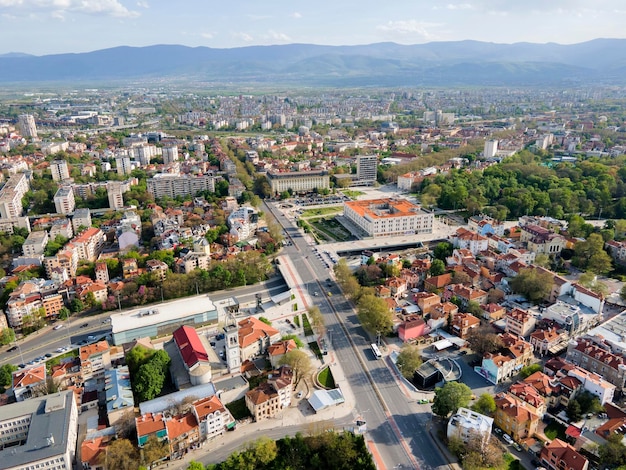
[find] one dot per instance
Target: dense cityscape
(213, 280)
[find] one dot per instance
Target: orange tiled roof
(92, 349)
(281, 347)
(401, 208)
(180, 425)
(252, 329)
(208, 405)
(24, 378)
(149, 424)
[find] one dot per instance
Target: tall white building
(39, 433)
(115, 192)
(27, 125)
(467, 423)
(60, 170)
(298, 181)
(123, 165)
(64, 201)
(184, 185)
(367, 168)
(11, 196)
(170, 154)
(491, 148)
(388, 217)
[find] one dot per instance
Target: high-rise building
(170, 154)
(367, 168)
(115, 191)
(64, 202)
(184, 185)
(60, 170)
(81, 218)
(123, 165)
(491, 148)
(11, 196)
(28, 126)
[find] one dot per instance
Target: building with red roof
(559, 455)
(194, 354)
(255, 337)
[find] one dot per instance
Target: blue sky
(58, 26)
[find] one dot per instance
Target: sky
(42, 27)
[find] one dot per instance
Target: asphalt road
(48, 340)
(396, 425)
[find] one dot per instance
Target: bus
(376, 351)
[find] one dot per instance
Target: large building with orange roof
(515, 417)
(212, 416)
(25, 380)
(95, 358)
(255, 337)
(559, 455)
(388, 217)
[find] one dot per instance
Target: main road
(397, 426)
(77, 329)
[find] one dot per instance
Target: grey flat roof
(48, 430)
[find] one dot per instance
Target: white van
(507, 438)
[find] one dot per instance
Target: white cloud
(58, 15)
(243, 36)
(459, 6)
(143, 4)
(60, 7)
(409, 28)
(207, 35)
(296, 15)
(277, 36)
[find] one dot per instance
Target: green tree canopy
(374, 314)
(533, 284)
(300, 363)
(451, 397)
(485, 405)
(437, 268)
(409, 359)
(529, 370)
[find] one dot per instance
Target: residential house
(546, 341)
(515, 417)
(519, 322)
(130, 268)
(158, 267)
(183, 433)
(93, 453)
(559, 455)
(463, 324)
(529, 395)
(255, 337)
(213, 417)
(617, 250)
(426, 301)
(437, 283)
(148, 425)
(483, 224)
(599, 359)
(412, 328)
(472, 241)
(278, 350)
(616, 423)
(466, 424)
(465, 294)
(118, 394)
(397, 286)
(98, 289)
(594, 384)
(269, 398)
(545, 387)
(95, 358)
(26, 382)
(492, 312)
(441, 314)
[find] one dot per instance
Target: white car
(300, 394)
(58, 327)
(507, 438)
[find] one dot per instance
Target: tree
(437, 268)
(613, 452)
(451, 397)
(7, 335)
(542, 260)
(317, 319)
(600, 263)
(121, 454)
(194, 465)
(77, 306)
(485, 405)
(299, 362)
(483, 340)
(265, 320)
(533, 284)
(64, 313)
(408, 360)
(573, 410)
(529, 370)
(590, 281)
(374, 314)
(460, 277)
(443, 250)
(6, 377)
(154, 450)
(148, 382)
(265, 450)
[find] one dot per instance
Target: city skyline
(41, 27)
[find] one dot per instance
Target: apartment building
(81, 218)
(88, 244)
(35, 243)
(60, 170)
(27, 125)
(388, 217)
(269, 398)
(64, 202)
(519, 322)
(164, 185)
(212, 416)
(95, 358)
(63, 265)
(170, 154)
(546, 341)
(11, 196)
(118, 394)
(39, 433)
(514, 417)
(298, 181)
(52, 304)
(26, 382)
(466, 424)
(559, 455)
(123, 165)
(102, 272)
(598, 359)
(115, 193)
(594, 384)
(541, 240)
(366, 169)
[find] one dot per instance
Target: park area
(331, 230)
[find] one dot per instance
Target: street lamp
(20, 351)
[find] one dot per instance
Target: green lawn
(321, 211)
(331, 229)
(316, 349)
(306, 324)
(238, 409)
(353, 194)
(325, 378)
(554, 430)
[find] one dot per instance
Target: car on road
(498, 431)
(507, 439)
(12, 348)
(517, 447)
(84, 325)
(316, 294)
(59, 350)
(423, 401)
(91, 338)
(48, 354)
(58, 327)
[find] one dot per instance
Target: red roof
(191, 348)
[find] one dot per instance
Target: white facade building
(11, 196)
(64, 201)
(467, 423)
(388, 217)
(27, 125)
(298, 181)
(60, 170)
(162, 185)
(491, 148)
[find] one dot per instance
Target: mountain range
(457, 63)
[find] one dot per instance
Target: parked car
(498, 431)
(12, 348)
(58, 327)
(84, 325)
(507, 439)
(517, 447)
(422, 401)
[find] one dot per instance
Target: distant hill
(381, 64)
